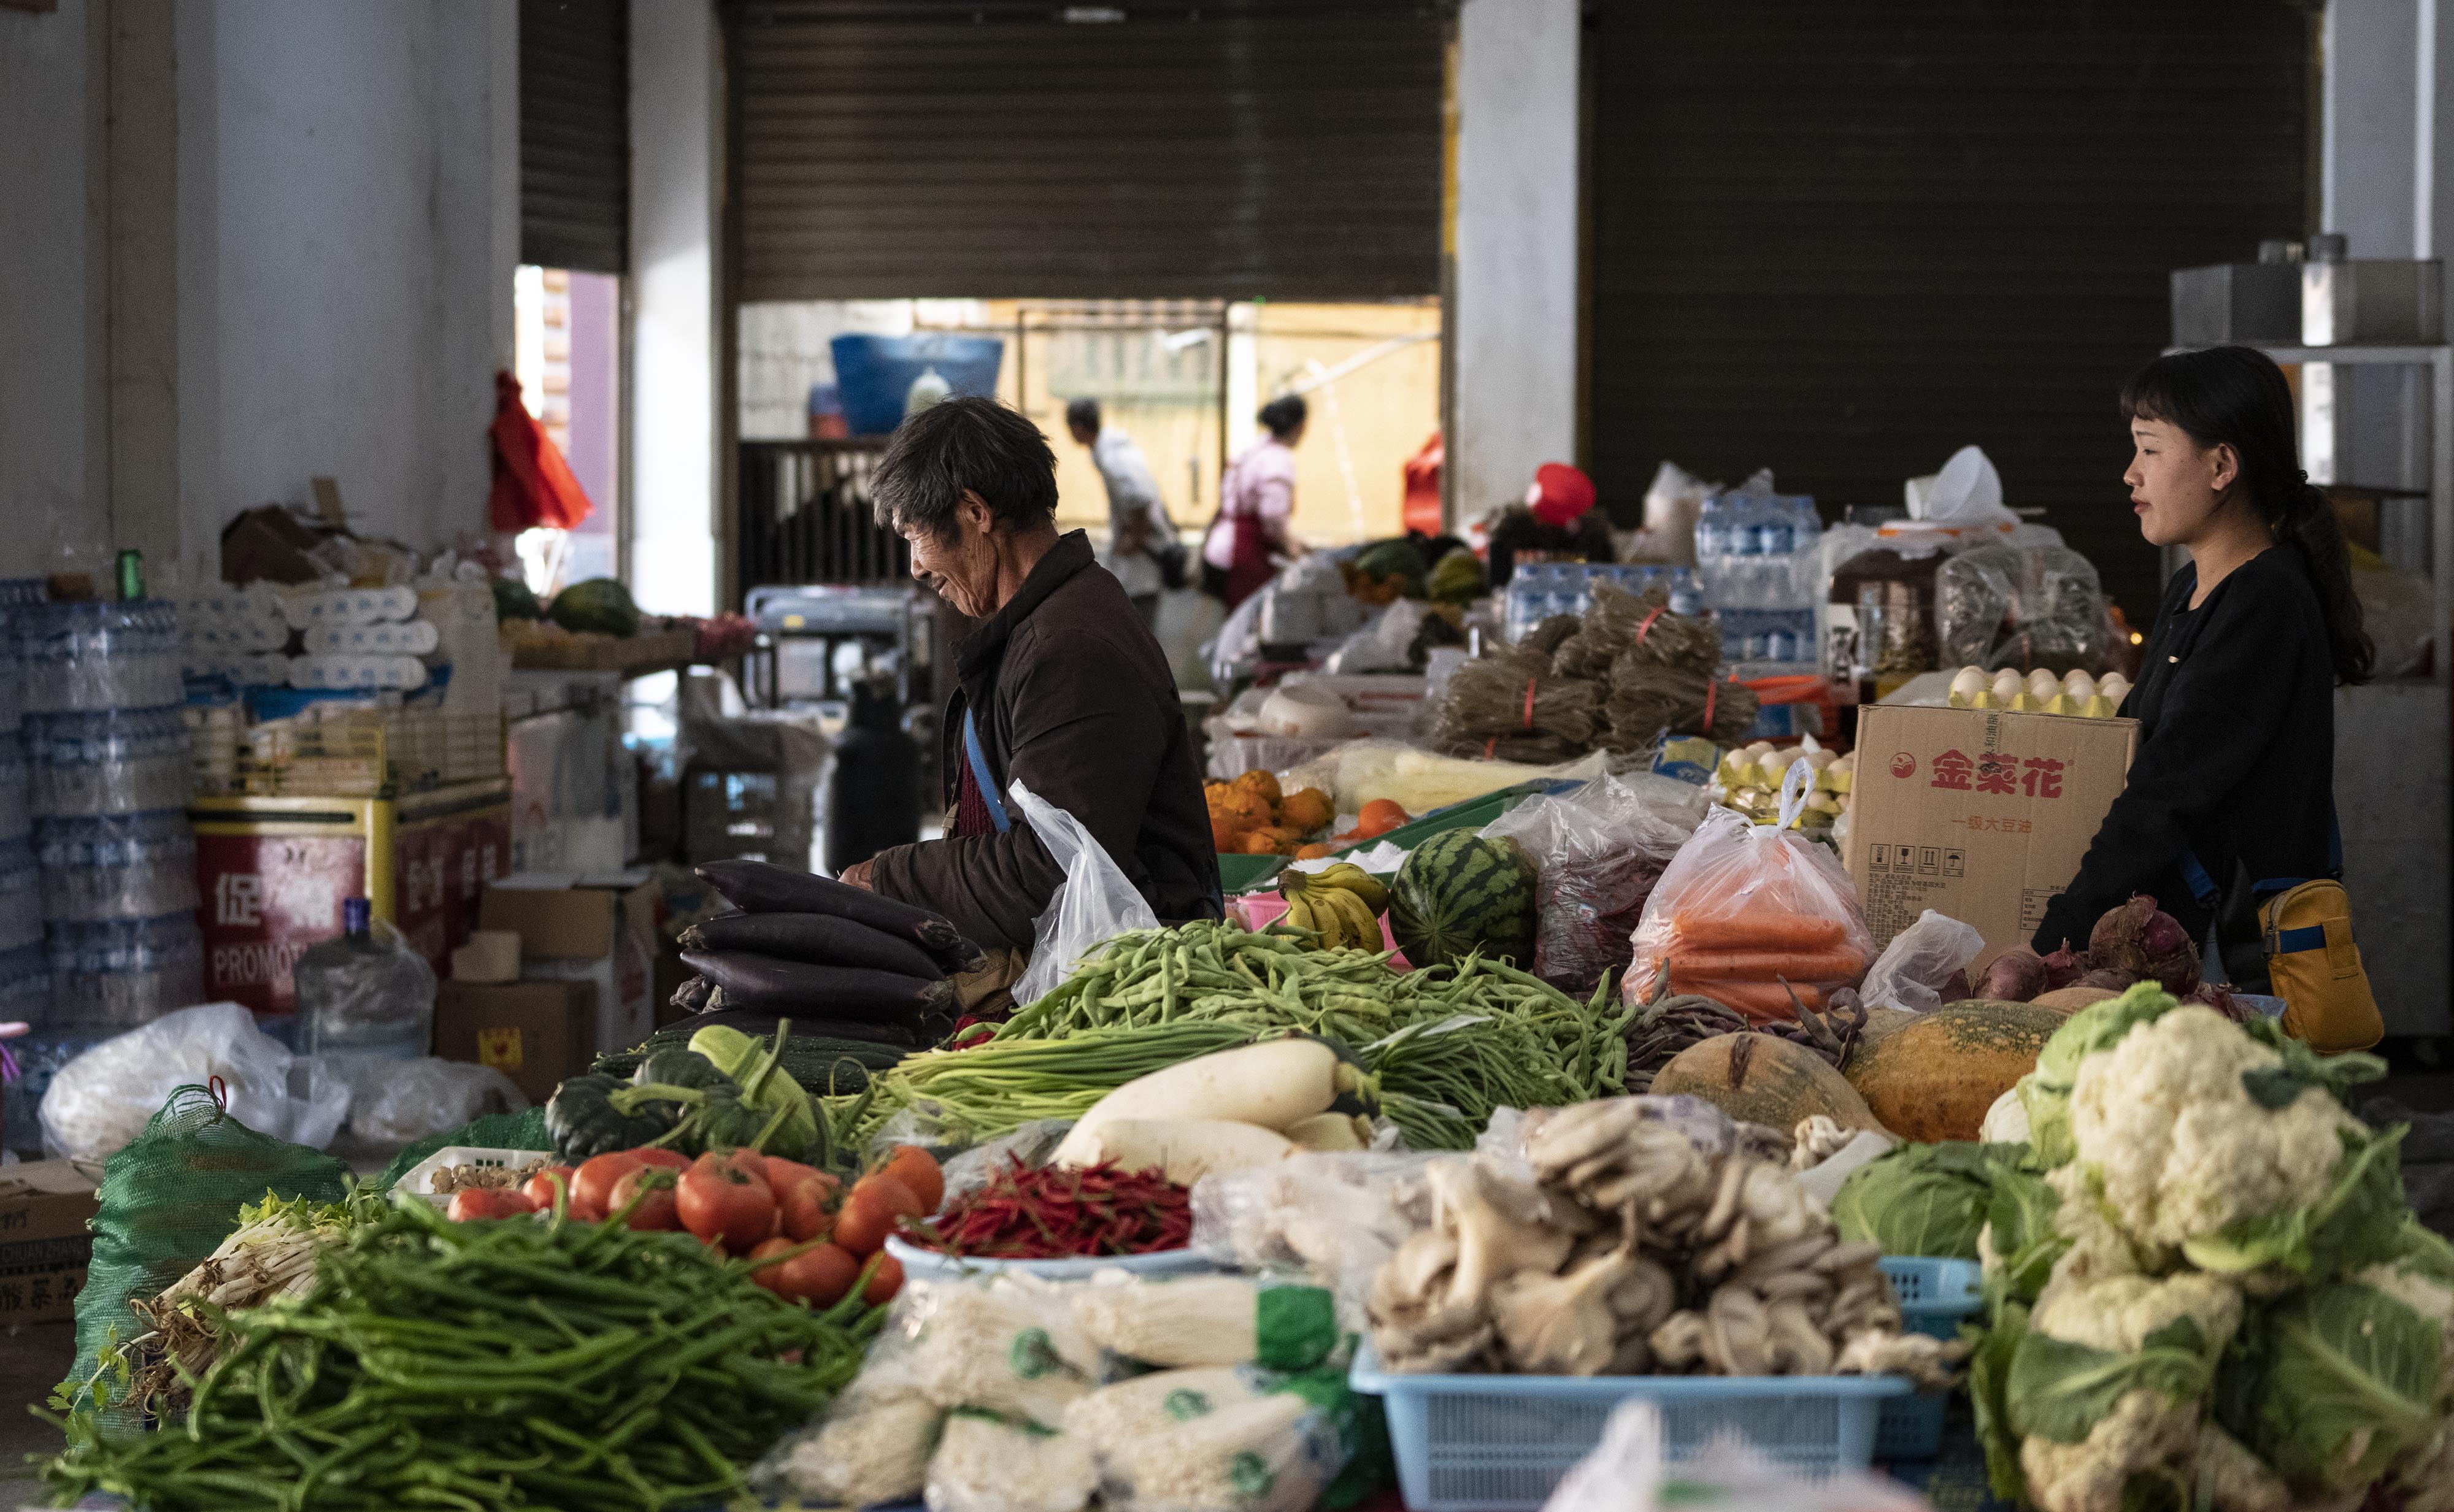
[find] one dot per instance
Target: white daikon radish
(1331, 1131)
(1270, 1085)
(1184, 1149)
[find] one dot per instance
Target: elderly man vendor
(1063, 692)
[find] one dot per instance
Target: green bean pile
(1446, 1045)
(485, 1366)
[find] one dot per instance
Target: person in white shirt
(1141, 538)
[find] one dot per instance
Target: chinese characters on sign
(1998, 771)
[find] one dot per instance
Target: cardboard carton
(1978, 814)
(44, 1244)
(536, 1033)
(600, 930)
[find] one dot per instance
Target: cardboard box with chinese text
(44, 1244)
(598, 929)
(1977, 814)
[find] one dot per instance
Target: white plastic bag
(101, 1100)
(399, 1103)
(1598, 850)
(1631, 1471)
(1921, 963)
(1091, 907)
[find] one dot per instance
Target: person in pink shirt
(1248, 541)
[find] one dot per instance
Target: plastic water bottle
(1712, 529)
(362, 997)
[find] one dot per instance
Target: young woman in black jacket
(2235, 770)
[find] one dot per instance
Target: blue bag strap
(2203, 887)
(980, 777)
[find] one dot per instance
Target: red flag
(532, 484)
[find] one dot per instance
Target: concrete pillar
(676, 182)
(1514, 314)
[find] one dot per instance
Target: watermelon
(1459, 893)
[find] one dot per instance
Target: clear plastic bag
(1091, 906)
(2022, 605)
(399, 1103)
(1599, 853)
(101, 1100)
(1335, 1218)
(366, 993)
(1180, 1321)
(1630, 1471)
(1032, 1143)
(1750, 914)
(1921, 963)
(1007, 1345)
(871, 1444)
(1277, 1452)
(984, 1463)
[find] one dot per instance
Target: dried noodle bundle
(1621, 626)
(1646, 699)
(1511, 707)
(1544, 638)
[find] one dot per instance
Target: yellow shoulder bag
(2305, 931)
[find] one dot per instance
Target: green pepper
(726, 1121)
(753, 1064)
(582, 1119)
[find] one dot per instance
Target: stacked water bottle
(1759, 555)
(1537, 590)
(24, 970)
(109, 786)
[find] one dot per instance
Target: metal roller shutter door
(575, 134)
(1842, 241)
(1280, 149)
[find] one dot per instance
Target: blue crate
(1934, 1295)
(1500, 1444)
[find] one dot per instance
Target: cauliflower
(2150, 1430)
(2424, 1476)
(2183, 1151)
(2237, 1479)
(2098, 1248)
(2432, 1300)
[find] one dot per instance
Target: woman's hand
(856, 875)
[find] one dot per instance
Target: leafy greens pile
(2203, 1288)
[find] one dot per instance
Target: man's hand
(856, 875)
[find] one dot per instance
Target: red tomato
(821, 1275)
(771, 1277)
(723, 1203)
(593, 1184)
(486, 1202)
(917, 1169)
(750, 1160)
(884, 1281)
(652, 1186)
(785, 1174)
(878, 1202)
(809, 1209)
(540, 1189)
(670, 1160)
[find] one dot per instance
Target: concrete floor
(33, 1357)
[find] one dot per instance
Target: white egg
(2008, 685)
(2079, 687)
(2114, 686)
(2043, 685)
(1969, 683)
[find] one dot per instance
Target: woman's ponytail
(2237, 396)
(2308, 521)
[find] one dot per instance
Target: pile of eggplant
(822, 954)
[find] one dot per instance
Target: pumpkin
(1884, 1021)
(1933, 1079)
(2071, 999)
(1766, 1079)
(1264, 781)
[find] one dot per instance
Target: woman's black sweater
(2236, 709)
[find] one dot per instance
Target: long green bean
(584, 1365)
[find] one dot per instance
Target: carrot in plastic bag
(1757, 928)
(1763, 965)
(1763, 1001)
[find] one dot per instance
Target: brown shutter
(1843, 240)
(1281, 148)
(575, 134)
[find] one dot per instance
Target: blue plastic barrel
(873, 374)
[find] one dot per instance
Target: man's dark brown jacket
(1075, 701)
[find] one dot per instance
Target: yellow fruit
(1261, 780)
(1305, 809)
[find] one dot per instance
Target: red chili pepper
(1024, 1213)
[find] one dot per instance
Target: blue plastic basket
(1934, 1295)
(1500, 1444)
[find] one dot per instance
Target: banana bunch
(1342, 905)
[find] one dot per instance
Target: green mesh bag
(170, 1199)
(492, 1131)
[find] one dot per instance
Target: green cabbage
(2330, 1384)
(1920, 1199)
(2045, 1092)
